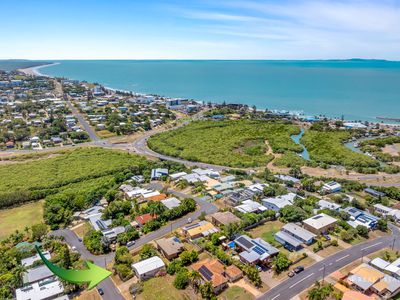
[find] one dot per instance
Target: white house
(279, 202)
(323, 204)
(331, 187)
(382, 209)
(148, 268)
(46, 289)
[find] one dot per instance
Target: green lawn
(267, 231)
(236, 293)
(231, 143)
(20, 217)
(161, 288)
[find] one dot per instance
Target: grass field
(230, 143)
(161, 288)
(267, 231)
(20, 217)
(26, 181)
(236, 293)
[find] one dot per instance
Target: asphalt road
(110, 290)
(140, 147)
(298, 283)
(92, 134)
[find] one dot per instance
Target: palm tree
(18, 272)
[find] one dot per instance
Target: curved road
(140, 147)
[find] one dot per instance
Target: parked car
(328, 238)
(130, 243)
(101, 292)
(189, 220)
(298, 269)
(291, 274)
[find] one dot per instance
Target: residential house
(110, 236)
(279, 202)
(319, 224)
(199, 229)
(382, 209)
(170, 247)
(158, 173)
(360, 217)
(148, 268)
(171, 203)
(364, 277)
(177, 176)
(387, 287)
(374, 193)
(36, 274)
(255, 251)
(143, 219)
(240, 195)
(323, 204)
(29, 261)
(250, 206)
(224, 218)
(47, 289)
(212, 271)
(331, 187)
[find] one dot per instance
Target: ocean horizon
(355, 89)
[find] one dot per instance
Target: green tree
(280, 263)
(181, 280)
(207, 291)
(382, 225)
(362, 231)
(38, 231)
(147, 251)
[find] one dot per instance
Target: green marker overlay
(93, 276)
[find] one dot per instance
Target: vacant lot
(19, 217)
(229, 143)
(236, 293)
(161, 288)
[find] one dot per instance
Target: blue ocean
(355, 89)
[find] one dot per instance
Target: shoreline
(34, 71)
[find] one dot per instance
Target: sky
(199, 29)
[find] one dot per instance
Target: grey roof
(393, 284)
(36, 274)
(288, 239)
(360, 282)
(298, 231)
(379, 263)
(249, 256)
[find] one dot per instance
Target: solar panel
(245, 242)
(258, 250)
(206, 273)
(317, 217)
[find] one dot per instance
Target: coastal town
(181, 199)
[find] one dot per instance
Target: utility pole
(394, 241)
(323, 275)
(362, 255)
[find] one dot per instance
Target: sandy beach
(34, 71)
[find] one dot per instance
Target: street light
(394, 240)
(323, 274)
